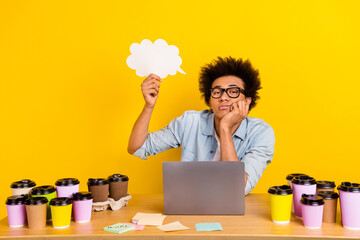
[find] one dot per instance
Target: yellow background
(68, 101)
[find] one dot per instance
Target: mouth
(224, 107)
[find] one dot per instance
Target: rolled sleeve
(157, 142)
(163, 139)
(258, 156)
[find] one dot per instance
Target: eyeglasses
(232, 92)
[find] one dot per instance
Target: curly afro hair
(230, 66)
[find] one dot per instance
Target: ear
(210, 107)
(248, 100)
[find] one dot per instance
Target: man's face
(221, 106)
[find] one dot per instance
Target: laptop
(211, 188)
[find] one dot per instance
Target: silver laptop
(204, 188)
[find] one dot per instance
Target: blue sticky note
(202, 227)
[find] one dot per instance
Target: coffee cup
(15, 206)
(312, 208)
(118, 186)
(330, 205)
(302, 185)
(22, 187)
(350, 205)
(47, 191)
(280, 203)
(65, 187)
(61, 212)
(289, 177)
(99, 187)
(36, 212)
(82, 206)
(325, 186)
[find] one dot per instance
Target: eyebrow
(231, 85)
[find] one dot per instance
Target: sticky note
(201, 227)
(138, 215)
(175, 226)
(137, 227)
(151, 219)
(119, 228)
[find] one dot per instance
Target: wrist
(224, 131)
(224, 128)
(148, 107)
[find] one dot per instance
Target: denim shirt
(254, 142)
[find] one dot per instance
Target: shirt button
(211, 151)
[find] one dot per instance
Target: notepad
(119, 228)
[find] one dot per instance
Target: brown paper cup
(100, 192)
(118, 190)
(99, 187)
(330, 206)
(36, 216)
(118, 186)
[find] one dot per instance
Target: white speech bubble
(158, 58)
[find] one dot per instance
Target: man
(223, 133)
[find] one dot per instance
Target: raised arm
(150, 90)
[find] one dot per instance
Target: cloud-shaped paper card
(158, 58)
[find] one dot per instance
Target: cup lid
(97, 181)
(328, 194)
(118, 178)
(303, 180)
(43, 190)
(25, 183)
(312, 200)
(280, 190)
(61, 201)
(325, 184)
(36, 200)
(16, 199)
(292, 175)
(82, 196)
(67, 182)
(349, 187)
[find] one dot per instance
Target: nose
(224, 98)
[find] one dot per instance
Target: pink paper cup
(82, 206)
(302, 185)
(289, 177)
(350, 205)
(65, 187)
(15, 206)
(312, 208)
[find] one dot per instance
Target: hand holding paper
(150, 89)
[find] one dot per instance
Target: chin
(220, 115)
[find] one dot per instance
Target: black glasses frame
(226, 90)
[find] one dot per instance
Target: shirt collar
(241, 131)
(208, 129)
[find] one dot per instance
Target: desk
(255, 224)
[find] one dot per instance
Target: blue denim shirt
(254, 142)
